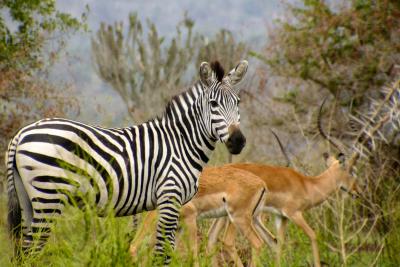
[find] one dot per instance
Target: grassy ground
(80, 238)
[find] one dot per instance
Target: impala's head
(222, 103)
(338, 167)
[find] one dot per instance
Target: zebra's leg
(34, 240)
(14, 217)
(166, 228)
(40, 209)
(37, 231)
(20, 200)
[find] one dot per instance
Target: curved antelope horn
(321, 131)
(288, 162)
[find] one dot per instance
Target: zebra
(154, 165)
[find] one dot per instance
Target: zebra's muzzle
(236, 141)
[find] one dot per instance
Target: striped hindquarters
(60, 159)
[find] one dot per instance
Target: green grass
(80, 238)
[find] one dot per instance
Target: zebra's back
(59, 158)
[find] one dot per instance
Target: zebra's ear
(205, 73)
(237, 74)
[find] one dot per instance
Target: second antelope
(290, 193)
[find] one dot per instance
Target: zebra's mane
(176, 98)
(218, 70)
(219, 73)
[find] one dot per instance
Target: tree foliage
(137, 64)
(221, 46)
(24, 99)
(23, 33)
(349, 51)
(25, 28)
(146, 68)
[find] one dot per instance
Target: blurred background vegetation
(348, 51)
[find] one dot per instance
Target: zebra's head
(222, 103)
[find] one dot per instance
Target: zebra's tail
(14, 208)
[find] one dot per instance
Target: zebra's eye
(213, 103)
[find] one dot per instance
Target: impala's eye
(213, 103)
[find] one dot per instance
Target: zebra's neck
(184, 116)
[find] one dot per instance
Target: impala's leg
(281, 223)
(146, 228)
(264, 233)
(213, 232)
(248, 222)
(243, 216)
(245, 225)
(229, 244)
(298, 219)
(189, 215)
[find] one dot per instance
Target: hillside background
(247, 20)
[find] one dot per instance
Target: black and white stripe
(126, 170)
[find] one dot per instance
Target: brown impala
(290, 193)
(223, 191)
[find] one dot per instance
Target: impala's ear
(341, 158)
(205, 73)
(236, 75)
(328, 159)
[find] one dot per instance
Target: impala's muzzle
(352, 192)
(236, 140)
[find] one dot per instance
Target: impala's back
(219, 185)
(284, 184)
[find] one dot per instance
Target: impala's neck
(324, 184)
